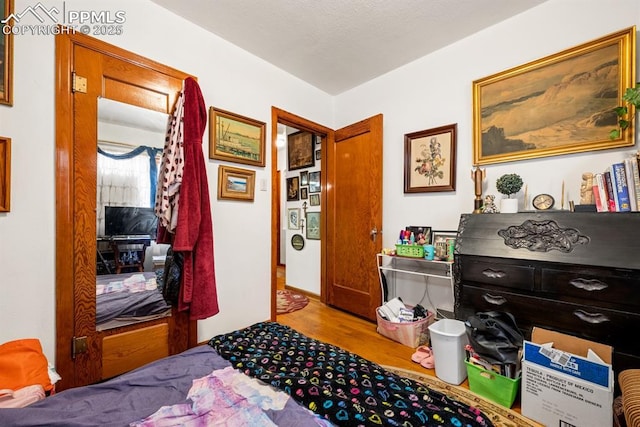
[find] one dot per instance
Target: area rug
(288, 301)
(498, 414)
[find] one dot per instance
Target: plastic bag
(495, 336)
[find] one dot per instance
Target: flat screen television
(130, 220)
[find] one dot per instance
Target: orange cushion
(22, 363)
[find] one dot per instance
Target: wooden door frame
(288, 119)
(65, 43)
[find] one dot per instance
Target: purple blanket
(135, 395)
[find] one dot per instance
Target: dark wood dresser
(576, 273)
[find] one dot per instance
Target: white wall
(436, 90)
(303, 267)
(430, 92)
(230, 79)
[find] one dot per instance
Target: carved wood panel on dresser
(576, 273)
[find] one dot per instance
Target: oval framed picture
(297, 241)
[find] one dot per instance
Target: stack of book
(617, 189)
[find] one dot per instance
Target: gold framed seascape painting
(236, 183)
(236, 138)
(6, 61)
(563, 103)
(430, 160)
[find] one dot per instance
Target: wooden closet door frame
(66, 261)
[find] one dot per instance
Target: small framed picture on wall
(293, 189)
(293, 218)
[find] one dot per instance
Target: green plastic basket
(411, 251)
(493, 386)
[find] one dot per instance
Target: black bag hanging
(172, 277)
(495, 336)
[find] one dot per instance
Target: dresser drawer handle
(589, 284)
(590, 317)
(494, 274)
(495, 300)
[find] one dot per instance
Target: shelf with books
(617, 188)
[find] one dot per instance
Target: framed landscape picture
(563, 103)
(235, 183)
(6, 61)
(430, 160)
(300, 146)
(236, 138)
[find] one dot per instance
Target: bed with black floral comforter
(340, 386)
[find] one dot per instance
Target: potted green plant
(509, 184)
(631, 97)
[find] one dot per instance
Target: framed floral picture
(430, 160)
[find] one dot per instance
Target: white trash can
(448, 339)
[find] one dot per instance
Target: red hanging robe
(194, 232)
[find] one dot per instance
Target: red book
(596, 198)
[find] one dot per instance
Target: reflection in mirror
(128, 261)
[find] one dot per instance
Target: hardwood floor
(356, 335)
(351, 333)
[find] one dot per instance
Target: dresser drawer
(497, 273)
(593, 284)
(612, 327)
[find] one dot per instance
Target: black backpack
(495, 336)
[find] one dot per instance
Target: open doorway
(350, 212)
(299, 244)
(291, 203)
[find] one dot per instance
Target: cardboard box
(566, 381)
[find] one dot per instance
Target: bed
(122, 299)
(265, 374)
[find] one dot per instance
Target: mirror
(130, 143)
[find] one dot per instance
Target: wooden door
(83, 354)
(354, 217)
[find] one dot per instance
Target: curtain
(126, 178)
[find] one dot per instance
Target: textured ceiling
(336, 45)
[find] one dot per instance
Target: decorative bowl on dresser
(576, 273)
